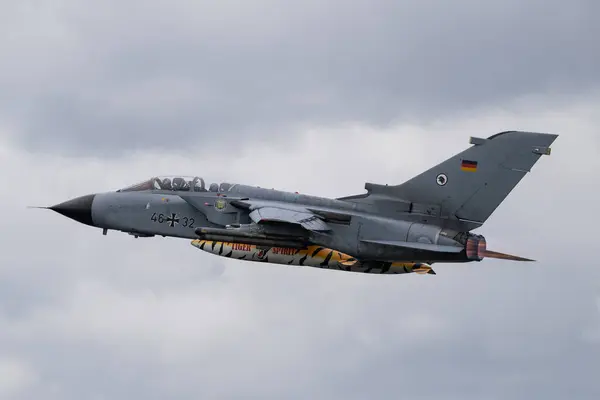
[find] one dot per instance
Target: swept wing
(261, 212)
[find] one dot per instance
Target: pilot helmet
(166, 184)
(178, 183)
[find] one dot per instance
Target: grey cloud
(114, 317)
(127, 75)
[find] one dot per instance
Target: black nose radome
(79, 209)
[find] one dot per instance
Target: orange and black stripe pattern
(311, 256)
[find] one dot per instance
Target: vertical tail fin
(471, 185)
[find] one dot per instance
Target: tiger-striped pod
(310, 256)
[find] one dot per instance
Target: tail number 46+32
(173, 219)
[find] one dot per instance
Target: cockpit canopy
(178, 183)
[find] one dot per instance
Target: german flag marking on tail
(468, 166)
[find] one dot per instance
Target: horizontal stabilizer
(475, 248)
(417, 246)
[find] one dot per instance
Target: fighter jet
(390, 229)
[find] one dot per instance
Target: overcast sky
(320, 98)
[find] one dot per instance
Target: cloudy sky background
(315, 97)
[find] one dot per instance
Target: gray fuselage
(166, 213)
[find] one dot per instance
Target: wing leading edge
(306, 219)
(264, 212)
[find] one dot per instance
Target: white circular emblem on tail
(441, 179)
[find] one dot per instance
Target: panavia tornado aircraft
(391, 229)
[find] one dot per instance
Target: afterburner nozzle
(476, 249)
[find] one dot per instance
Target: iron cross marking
(172, 220)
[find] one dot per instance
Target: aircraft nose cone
(79, 209)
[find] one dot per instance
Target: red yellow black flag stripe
(469, 166)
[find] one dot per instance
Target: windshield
(177, 183)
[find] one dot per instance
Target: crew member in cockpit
(177, 183)
(166, 184)
(180, 184)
